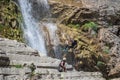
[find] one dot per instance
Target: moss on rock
(10, 18)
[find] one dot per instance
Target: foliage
(9, 14)
(74, 25)
(90, 25)
(11, 33)
(100, 63)
(18, 66)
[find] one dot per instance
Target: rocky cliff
(95, 24)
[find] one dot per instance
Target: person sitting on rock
(62, 67)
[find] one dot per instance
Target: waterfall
(38, 34)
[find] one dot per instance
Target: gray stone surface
(38, 61)
(45, 67)
(1, 77)
(104, 12)
(115, 79)
(13, 77)
(73, 76)
(14, 47)
(14, 71)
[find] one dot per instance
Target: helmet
(64, 59)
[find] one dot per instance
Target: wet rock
(14, 23)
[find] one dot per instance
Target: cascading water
(38, 35)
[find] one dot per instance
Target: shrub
(90, 25)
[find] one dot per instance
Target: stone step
(115, 79)
(14, 71)
(73, 76)
(1, 77)
(14, 47)
(28, 58)
(69, 75)
(41, 62)
(79, 78)
(78, 74)
(46, 71)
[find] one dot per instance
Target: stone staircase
(16, 59)
(46, 74)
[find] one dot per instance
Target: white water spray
(33, 11)
(31, 28)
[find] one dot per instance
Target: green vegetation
(74, 25)
(90, 25)
(11, 33)
(10, 19)
(18, 66)
(100, 63)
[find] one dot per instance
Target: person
(62, 67)
(73, 44)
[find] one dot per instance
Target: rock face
(18, 61)
(110, 36)
(105, 13)
(86, 54)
